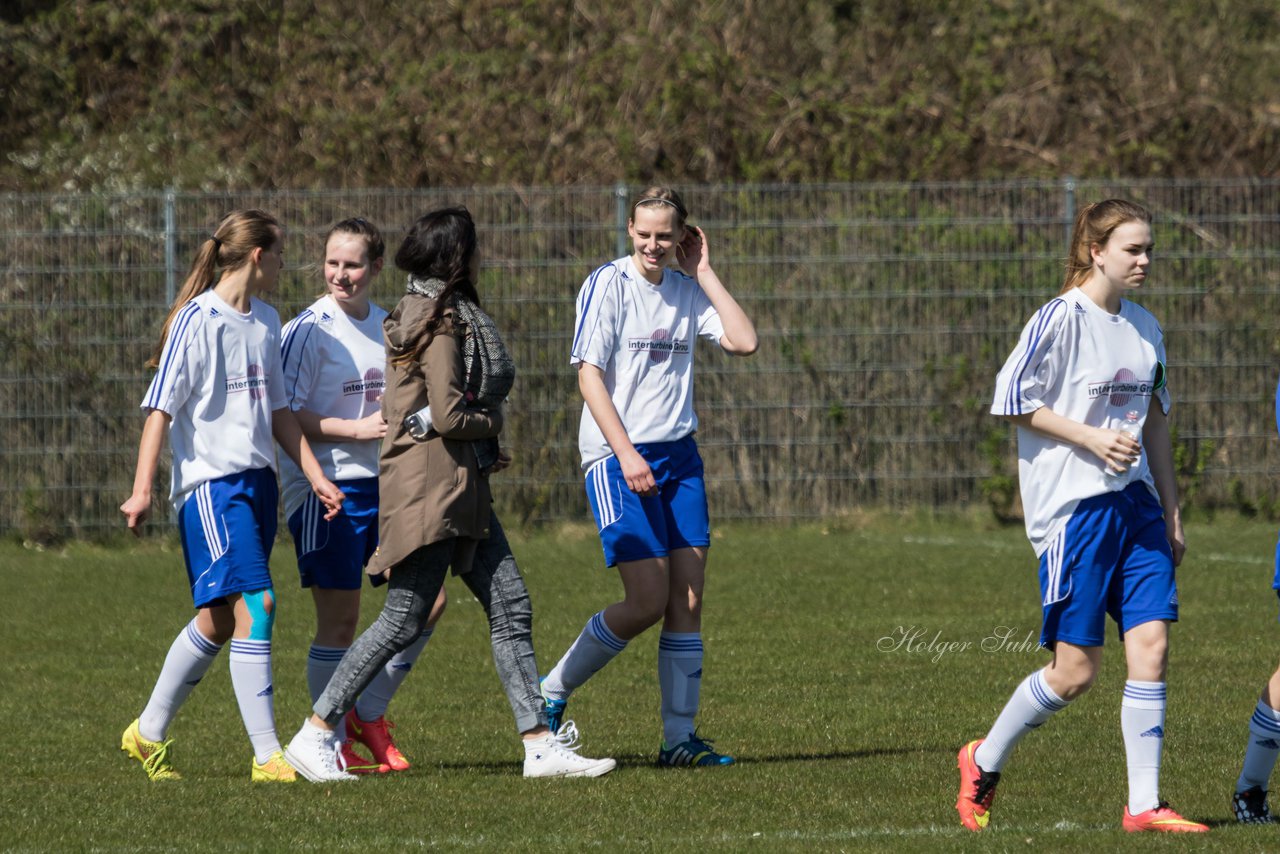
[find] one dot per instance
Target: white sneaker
(556, 755)
(317, 755)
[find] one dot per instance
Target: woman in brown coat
(448, 367)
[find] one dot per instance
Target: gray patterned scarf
(487, 370)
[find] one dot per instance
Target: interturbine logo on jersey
(254, 382)
(370, 386)
(1122, 389)
(660, 345)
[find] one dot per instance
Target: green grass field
(846, 739)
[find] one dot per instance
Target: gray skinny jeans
(496, 582)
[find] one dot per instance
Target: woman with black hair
(444, 356)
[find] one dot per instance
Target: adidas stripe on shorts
(1112, 556)
(332, 553)
(635, 528)
(228, 526)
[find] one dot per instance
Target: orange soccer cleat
(977, 789)
(376, 736)
(1161, 819)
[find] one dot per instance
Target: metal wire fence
(884, 312)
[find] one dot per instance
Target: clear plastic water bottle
(1133, 429)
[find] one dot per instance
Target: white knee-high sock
(251, 678)
(680, 677)
(1033, 702)
(1142, 724)
(1264, 746)
(593, 649)
(186, 664)
(322, 661)
(373, 701)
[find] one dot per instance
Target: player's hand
(136, 509)
(1177, 540)
(638, 475)
(1117, 450)
(372, 426)
(330, 496)
(691, 251)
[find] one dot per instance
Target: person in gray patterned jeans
(435, 511)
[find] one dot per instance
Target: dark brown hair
(440, 245)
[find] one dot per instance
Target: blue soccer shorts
(1276, 581)
(1111, 557)
(332, 553)
(228, 526)
(636, 528)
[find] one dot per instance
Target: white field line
(1221, 558)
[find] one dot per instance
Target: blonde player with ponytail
(218, 393)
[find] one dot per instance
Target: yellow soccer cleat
(154, 755)
(275, 770)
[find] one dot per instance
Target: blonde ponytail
(229, 248)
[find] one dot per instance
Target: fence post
(620, 218)
(170, 245)
(1069, 205)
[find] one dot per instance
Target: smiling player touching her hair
(637, 319)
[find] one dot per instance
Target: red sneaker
(1162, 819)
(375, 735)
(977, 789)
(354, 763)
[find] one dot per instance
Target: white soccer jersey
(219, 379)
(1089, 366)
(641, 336)
(333, 366)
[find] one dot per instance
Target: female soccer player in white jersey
(333, 372)
(219, 394)
(1101, 506)
(637, 318)
(445, 354)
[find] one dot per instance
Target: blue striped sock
(322, 661)
(1032, 703)
(373, 701)
(1142, 724)
(680, 678)
(1263, 748)
(593, 649)
(186, 664)
(251, 679)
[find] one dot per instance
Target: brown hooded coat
(429, 490)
